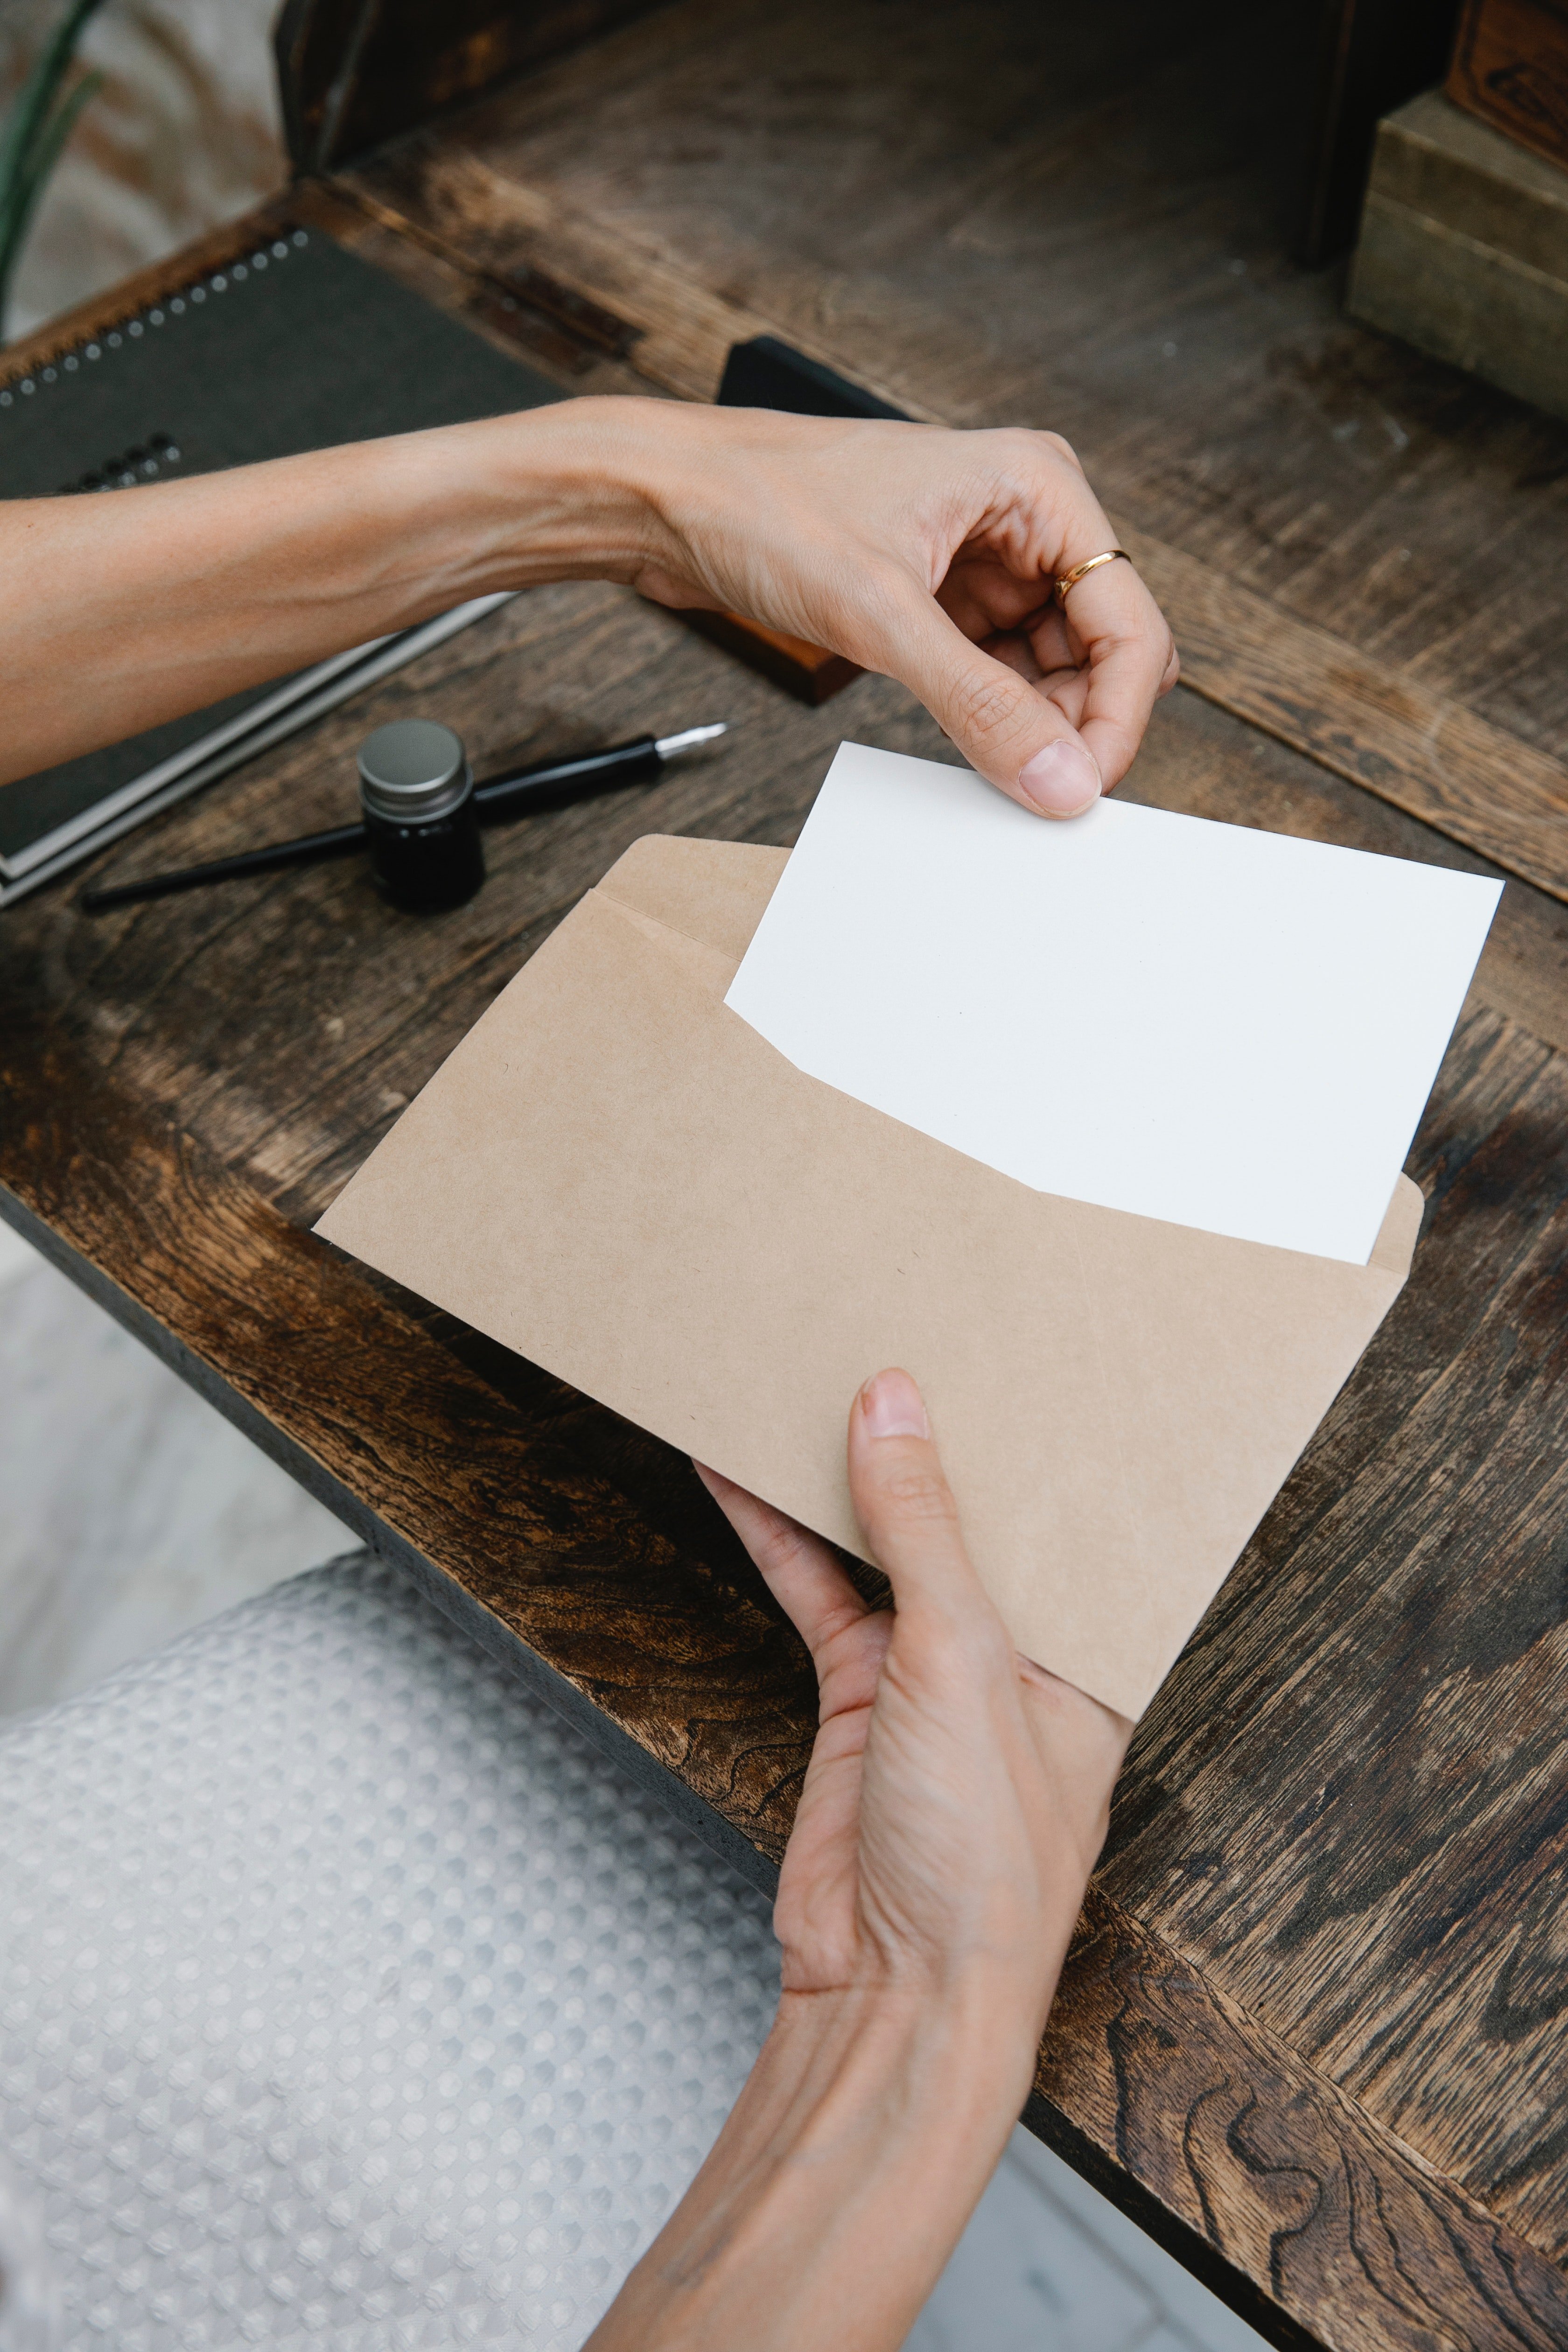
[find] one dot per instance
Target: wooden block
(1464, 250)
(1455, 171)
(1510, 67)
(809, 672)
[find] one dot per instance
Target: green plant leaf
(36, 129)
(36, 98)
(27, 187)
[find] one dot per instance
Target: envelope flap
(714, 892)
(710, 891)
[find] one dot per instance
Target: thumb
(1012, 735)
(903, 1501)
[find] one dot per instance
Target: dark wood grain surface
(1313, 2028)
(187, 1083)
(1020, 218)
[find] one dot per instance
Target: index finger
(798, 1568)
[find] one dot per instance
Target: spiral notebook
(295, 346)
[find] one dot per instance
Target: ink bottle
(417, 789)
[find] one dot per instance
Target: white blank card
(1195, 1021)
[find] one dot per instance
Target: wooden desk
(1313, 2033)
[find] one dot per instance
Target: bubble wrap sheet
(348, 1996)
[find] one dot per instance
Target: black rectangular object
(768, 373)
(296, 346)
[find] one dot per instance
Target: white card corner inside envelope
(1200, 1023)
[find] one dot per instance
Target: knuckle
(985, 704)
(1021, 442)
(1021, 450)
(870, 613)
(784, 1542)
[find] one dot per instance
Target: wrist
(862, 2140)
(957, 2061)
(566, 492)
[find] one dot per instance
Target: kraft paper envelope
(615, 1176)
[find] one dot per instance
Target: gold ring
(1082, 571)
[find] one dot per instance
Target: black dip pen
(550, 783)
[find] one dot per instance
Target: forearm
(841, 2181)
(900, 546)
(120, 611)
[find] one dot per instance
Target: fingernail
(1062, 780)
(892, 1406)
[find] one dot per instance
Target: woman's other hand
(957, 1794)
(929, 555)
(953, 1806)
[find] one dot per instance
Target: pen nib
(668, 745)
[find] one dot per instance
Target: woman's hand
(953, 1806)
(957, 1795)
(927, 554)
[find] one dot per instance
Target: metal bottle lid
(412, 770)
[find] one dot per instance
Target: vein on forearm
(120, 611)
